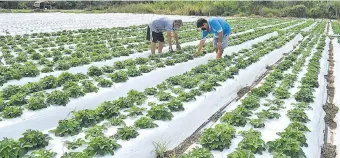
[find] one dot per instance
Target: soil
(328, 151)
(243, 91)
(330, 108)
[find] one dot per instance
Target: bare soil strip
(328, 149)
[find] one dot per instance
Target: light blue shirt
(217, 25)
(162, 25)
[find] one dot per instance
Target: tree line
(310, 9)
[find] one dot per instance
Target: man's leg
(219, 51)
(160, 47)
(160, 38)
(153, 47)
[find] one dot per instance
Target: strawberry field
(92, 89)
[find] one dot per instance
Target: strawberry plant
(86, 117)
(141, 60)
(75, 144)
(11, 90)
(75, 91)
(17, 100)
(107, 110)
(133, 72)
(268, 114)
(94, 71)
(126, 133)
(57, 98)
(162, 86)
(234, 118)
(101, 146)
(281, 93)
(169, 62)
(198, 153)
(252, 141)
(95, 131)
(186, 97)
(116, 121)
(150, 91)
(241, 153)
(174, 80)
(217, 138)
(135, 111)
(119, 76)
(298, 126)
(286, 146)
(137, 97)
(62, 65)
(305, 94)
(251, 102)
(123, 102)
(129, 62)
(11, 148)
(145, 122)
(65, 77)
(206, 87)
(189, 83)
(298, 115)
(107, 69)
(164, 96)
(11, 112)
(33, 139)
(160, 112)
(42, 153)
(102, 82)
(257, 123)
(88, 86)
(32, 87)
(67, 127)
(175, 105)
(302, 105)
(48, 82)
(145, 68)
(178, 90)
(294, 134)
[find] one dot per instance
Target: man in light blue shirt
(155, 31)
(217, 26)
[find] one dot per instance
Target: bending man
(155, 33)
(217, 26)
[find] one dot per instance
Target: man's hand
(196, 54)
(178, 47)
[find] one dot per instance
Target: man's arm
(220, 37)
(200, 46)
(169, 39)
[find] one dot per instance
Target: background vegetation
(312, 9)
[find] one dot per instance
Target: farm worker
(155, 33)
(217, 26)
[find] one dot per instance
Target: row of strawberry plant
(293, 137)
(162, 111)
(17, 95)
(83, 56)
(336, 27)
(252, 142)
(134, 38)
(110, 110)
